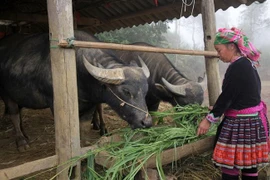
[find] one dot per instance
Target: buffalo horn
(110, 76)
(201, 78)
(144, 67)
(176, 89)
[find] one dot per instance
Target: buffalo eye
(127, 92)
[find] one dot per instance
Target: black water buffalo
(165, 83)
(26, 80)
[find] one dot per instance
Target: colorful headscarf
(234, 35)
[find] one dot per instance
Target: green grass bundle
(139, 145)
(192, 113)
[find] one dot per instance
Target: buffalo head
(124, 89)
(183, 94)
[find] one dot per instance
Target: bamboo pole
(102, 45)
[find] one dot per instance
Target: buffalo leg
(13, 111)
(98, 121)
(6, 123)
(95, 120)
(103, 129)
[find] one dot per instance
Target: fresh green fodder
(138, 146)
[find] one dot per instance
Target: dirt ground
(39, 126)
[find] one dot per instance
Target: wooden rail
(35, 166)
(167, 156)
(102, 45)
(28, 168)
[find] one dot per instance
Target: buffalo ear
(162, 90)
(133, 63)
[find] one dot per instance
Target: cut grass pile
(138, 146)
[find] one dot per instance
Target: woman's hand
(203, 127)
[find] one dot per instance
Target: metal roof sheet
(105, 15)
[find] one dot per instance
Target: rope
(185, 3)
(124, 102)
(70, 41)
(55, 46)
(175, 101)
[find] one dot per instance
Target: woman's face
(225, 52)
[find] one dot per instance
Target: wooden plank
(167, 7)
(103, 158)
(175, 154)
(34, 166)
(267, 172)
(23, 17)
(242, 1)
(101, 45)
(64, 85)
(211, 63)
(167, 156)
(82, 21)
(84, 150)
(28, 168)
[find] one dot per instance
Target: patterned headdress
(234, 35)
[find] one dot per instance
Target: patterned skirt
(241, 142)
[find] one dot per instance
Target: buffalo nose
(147, 122)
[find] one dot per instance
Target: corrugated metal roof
(105, 15)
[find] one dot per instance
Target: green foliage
(149, 33)
(190, 114)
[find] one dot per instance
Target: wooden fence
(65, 89)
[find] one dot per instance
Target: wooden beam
(167, 156)
(175, 5)
(211, 63)
(102, 45)
(84, 150)
(146, 12)
(174, 154)
(28, 168)
(82, 21)
(23, 17)
(63, 65)
(242, 1)
(35, 166)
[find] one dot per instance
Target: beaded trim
(210, 117)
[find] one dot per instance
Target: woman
(242, 136)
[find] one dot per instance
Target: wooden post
(267, 172)
(211, 63)
(63, 67)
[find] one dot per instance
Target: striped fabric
(241, 143)
(234, 35)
